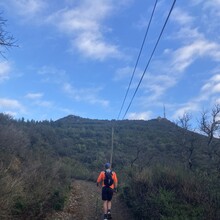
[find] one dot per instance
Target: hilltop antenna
(164, 111)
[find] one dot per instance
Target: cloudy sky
(77, 57)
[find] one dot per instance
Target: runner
(109, 182)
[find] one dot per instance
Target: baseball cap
(107, 165)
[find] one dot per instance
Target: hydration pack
(108, 181)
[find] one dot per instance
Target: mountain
(157, 139)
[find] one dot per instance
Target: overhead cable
(171, 9)
(145, 36)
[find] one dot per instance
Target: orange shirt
(102, 177)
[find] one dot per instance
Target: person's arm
(115, 182)
(99, 180)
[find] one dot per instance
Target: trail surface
(85, 204)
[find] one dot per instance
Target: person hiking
(109, 182)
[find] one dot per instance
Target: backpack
(108, 181)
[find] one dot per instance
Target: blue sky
(77, 57)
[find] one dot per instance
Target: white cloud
(84, 25)
(11, 113)
(34, 95)
(140, 116)
(27, 8)
(212, 86)
(46, 104)
(156, 85)
(208, 93)
(182, 17)
(59, 76)
(126, 73)
(216, 88)
(4, 70)
(213, 4)
(36, 98)
(186, 55)
(217, 101)
(210, 18)
(50, 70)
(87, 95)
(196, 2)
(187, 107)
(94, 47)
(188, 34)
(52, 74)
(10, 104)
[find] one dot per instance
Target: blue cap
(107, 165)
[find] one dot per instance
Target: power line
(171, 9)
(145, 68)
(145, 36)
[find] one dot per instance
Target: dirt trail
(85, 204)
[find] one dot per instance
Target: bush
(168, 194)
(57, 201)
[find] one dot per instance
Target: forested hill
(146, 142)
(176, 170)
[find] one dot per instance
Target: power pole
(112, 145)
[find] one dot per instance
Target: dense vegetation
(166, 172)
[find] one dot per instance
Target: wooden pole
(112, 145)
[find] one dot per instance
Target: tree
(6, 40)
(184, 121)
(210, 125)
(188, 140)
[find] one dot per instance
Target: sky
(76, 57)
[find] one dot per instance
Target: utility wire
(171, 9)
(145, 36)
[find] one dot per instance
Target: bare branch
(210, 125)
(6, 40)
(183, 121)
(137, 156)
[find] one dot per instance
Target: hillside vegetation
(165, 171)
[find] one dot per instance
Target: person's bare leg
(109, 205)
(105, 207)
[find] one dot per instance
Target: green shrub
(57, 200)
(168, 194)
(19, 206)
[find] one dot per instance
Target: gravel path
(85, 203)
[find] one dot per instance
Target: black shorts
(107, 193)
